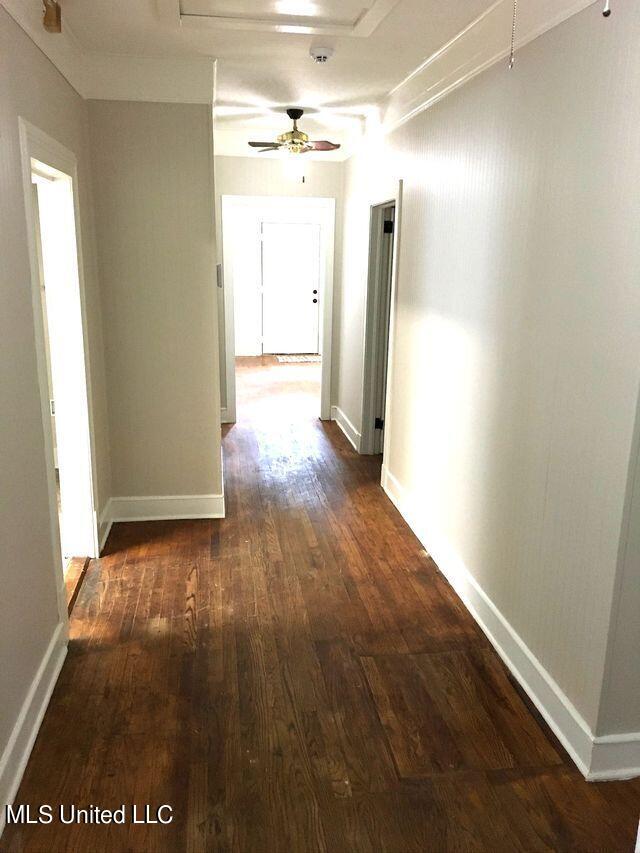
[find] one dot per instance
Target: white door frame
(376, 214)
(321, 211)
(37, 145)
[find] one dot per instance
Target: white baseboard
(16, 754)
(346, 426)
(105, 524)
(166, 507)
(615, 757)
(597, 758)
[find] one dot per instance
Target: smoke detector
(321, 54)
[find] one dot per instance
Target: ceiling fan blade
(323, 145)
(264, 144)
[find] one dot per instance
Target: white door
(290, 287)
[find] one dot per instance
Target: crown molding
(482, 43)
(62, 49)
(485, 41)
(116, 77)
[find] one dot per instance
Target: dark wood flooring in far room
(298, 677)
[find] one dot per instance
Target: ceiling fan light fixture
(294, 141)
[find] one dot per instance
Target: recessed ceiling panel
(341, 17)
(346, 12)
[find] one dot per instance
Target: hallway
(297, 677)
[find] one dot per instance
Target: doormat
(289, 359)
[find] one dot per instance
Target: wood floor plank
(452, 711)
(297, 677)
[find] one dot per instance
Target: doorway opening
(53, 222)
(377, 329)
(278, 282)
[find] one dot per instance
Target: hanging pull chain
(512, 57)
(514, 22)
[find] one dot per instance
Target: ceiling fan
(295, 141)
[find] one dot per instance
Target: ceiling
(391, 58)
(262, 52)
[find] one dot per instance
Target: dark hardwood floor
(298, 677)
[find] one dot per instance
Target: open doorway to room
(278, 281)
(53, 221)
(382, 245)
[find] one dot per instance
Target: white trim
(362, 27)
(376, 214)
(615, 757)
(597, 758)
(230, 412)
(321, 211)
(347, 427)
(388, 410)
(115, 76)
(166, 507)
(36, 144)
(105, 524)
(475, 48)
(18, 749)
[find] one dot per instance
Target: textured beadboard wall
(31, 87)
(154, 213)
(256, 176)
(517, 339)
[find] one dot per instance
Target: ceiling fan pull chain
(514, 21)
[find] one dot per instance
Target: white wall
(31, 87)
(517, 338)
(153, 176)
(265, 176)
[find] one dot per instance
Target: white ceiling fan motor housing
(321, 54)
